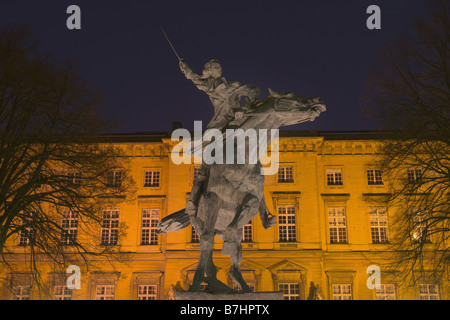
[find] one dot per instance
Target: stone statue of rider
(226, 98)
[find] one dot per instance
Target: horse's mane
(280, 95)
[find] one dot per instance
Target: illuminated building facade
(328, 229)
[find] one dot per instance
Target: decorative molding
(287, 268)
(285, 197)
(348, 147)
(340, 276)
(149, 196)
(376, 194)
(335, 196)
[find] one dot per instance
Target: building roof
(326, 135)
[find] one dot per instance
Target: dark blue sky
(315, 48)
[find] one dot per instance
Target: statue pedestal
(185, 295)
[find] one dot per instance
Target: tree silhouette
(57, 171)
(408, 93)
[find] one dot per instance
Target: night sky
(314, 48)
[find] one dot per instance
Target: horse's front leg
(210, 269)
(205, 262)
(232, 247)
(233, 237)
(206, 231)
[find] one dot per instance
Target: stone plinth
(185, 295)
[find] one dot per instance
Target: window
(104, 292)
(196, 171)
(337, 224)
(420, 225)
(151, 178)
(21, 293)
(69, 227)
(114, 179)
(291, 291)
(286, 224)
(62, 293)
(24, 238)
(110, 227)
(334, 177)
(341, 291)
(428, 292)
(379, 225)
(194, 236)
(28, 232)
(147, 292)
(374, 177)
(414, 175)
(247, 232)
(285, 174)
(386, 292)
(150, 219)
(73, 177)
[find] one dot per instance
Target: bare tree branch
(51, 162)
(408, 93)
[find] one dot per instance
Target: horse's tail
(173, 222)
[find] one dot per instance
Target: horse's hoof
(270, 222)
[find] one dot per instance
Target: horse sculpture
(233, 193)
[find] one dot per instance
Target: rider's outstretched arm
(189, 73)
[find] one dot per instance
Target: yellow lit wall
(268, 263)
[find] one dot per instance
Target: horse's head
(294, 109)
